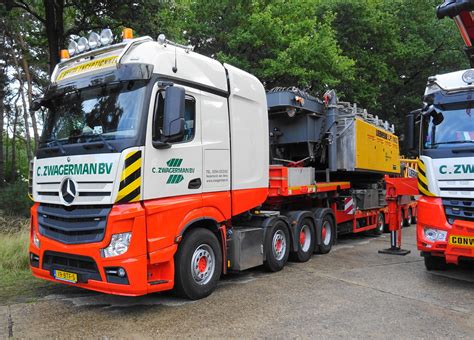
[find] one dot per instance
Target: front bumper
(91, 268)
(431, 215)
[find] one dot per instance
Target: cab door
(177, 169)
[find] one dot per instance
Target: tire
(435, 263)
(413, 217)
(328, 233)
(406, 221)
(305, 241)
(198, 264)
(380, 224)
(277, 246)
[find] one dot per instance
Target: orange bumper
(431, 215)
(141, 276)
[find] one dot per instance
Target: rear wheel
(305, 242)
(435, 263)
(413, 217)
(380, 224)
(198, 264)
(407, 221)
(327, 234)
(277, 246)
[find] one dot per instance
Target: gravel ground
(352, 292)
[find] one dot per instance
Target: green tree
(396, 45)
(281, 42)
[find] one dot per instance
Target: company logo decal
(68, 190)
(457, 169)
(89, 66)
(174, 169)
(74, 169)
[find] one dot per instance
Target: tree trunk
(13, 172)
(25, 112)
(29, 151)
(2, 118)
(26, 70)
(54, 10)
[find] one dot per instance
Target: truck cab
(135, 153)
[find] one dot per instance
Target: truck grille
(456, 209)
(73, 225)
(84, 266)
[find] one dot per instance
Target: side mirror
(36, 105)
(173, 115)
(410, 130)
(437, 117)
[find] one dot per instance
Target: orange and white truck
(160, 168)
(445, 229)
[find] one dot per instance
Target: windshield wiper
(109, 146)
(59, 146)
(90, 144)
(454, 142)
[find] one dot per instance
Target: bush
(14, 199)
(14, 251)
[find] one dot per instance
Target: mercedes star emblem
(68, 190)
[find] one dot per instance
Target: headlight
(118, 245)
(36, 240)
(434, 235)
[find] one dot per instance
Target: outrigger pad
(395, 251)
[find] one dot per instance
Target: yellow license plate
(65, 276)
(463, 241)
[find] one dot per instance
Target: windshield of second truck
(455, 129)
(109, 111)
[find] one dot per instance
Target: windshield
(107, 112)
(455, 129)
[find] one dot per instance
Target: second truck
(445, 126)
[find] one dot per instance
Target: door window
(189, 118)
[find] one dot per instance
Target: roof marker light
(94, 40)
(82, 44)
(72, 48)
(63, 55)
(106, 36)
(127, 34)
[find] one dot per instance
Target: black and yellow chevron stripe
(422, 180)
(130, 182)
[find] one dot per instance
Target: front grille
(84, 266)
(73, 225)
(456, 209)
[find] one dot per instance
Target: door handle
(194, 183)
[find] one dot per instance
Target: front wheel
(198, 264)
(435, 263)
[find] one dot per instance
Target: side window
(189, 118)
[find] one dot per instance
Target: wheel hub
(203, 264)
(305, 238)
(279, 245)
(326, 233)
(302, 238)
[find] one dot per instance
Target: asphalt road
(351, 292)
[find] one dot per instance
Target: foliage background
(377, 53)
